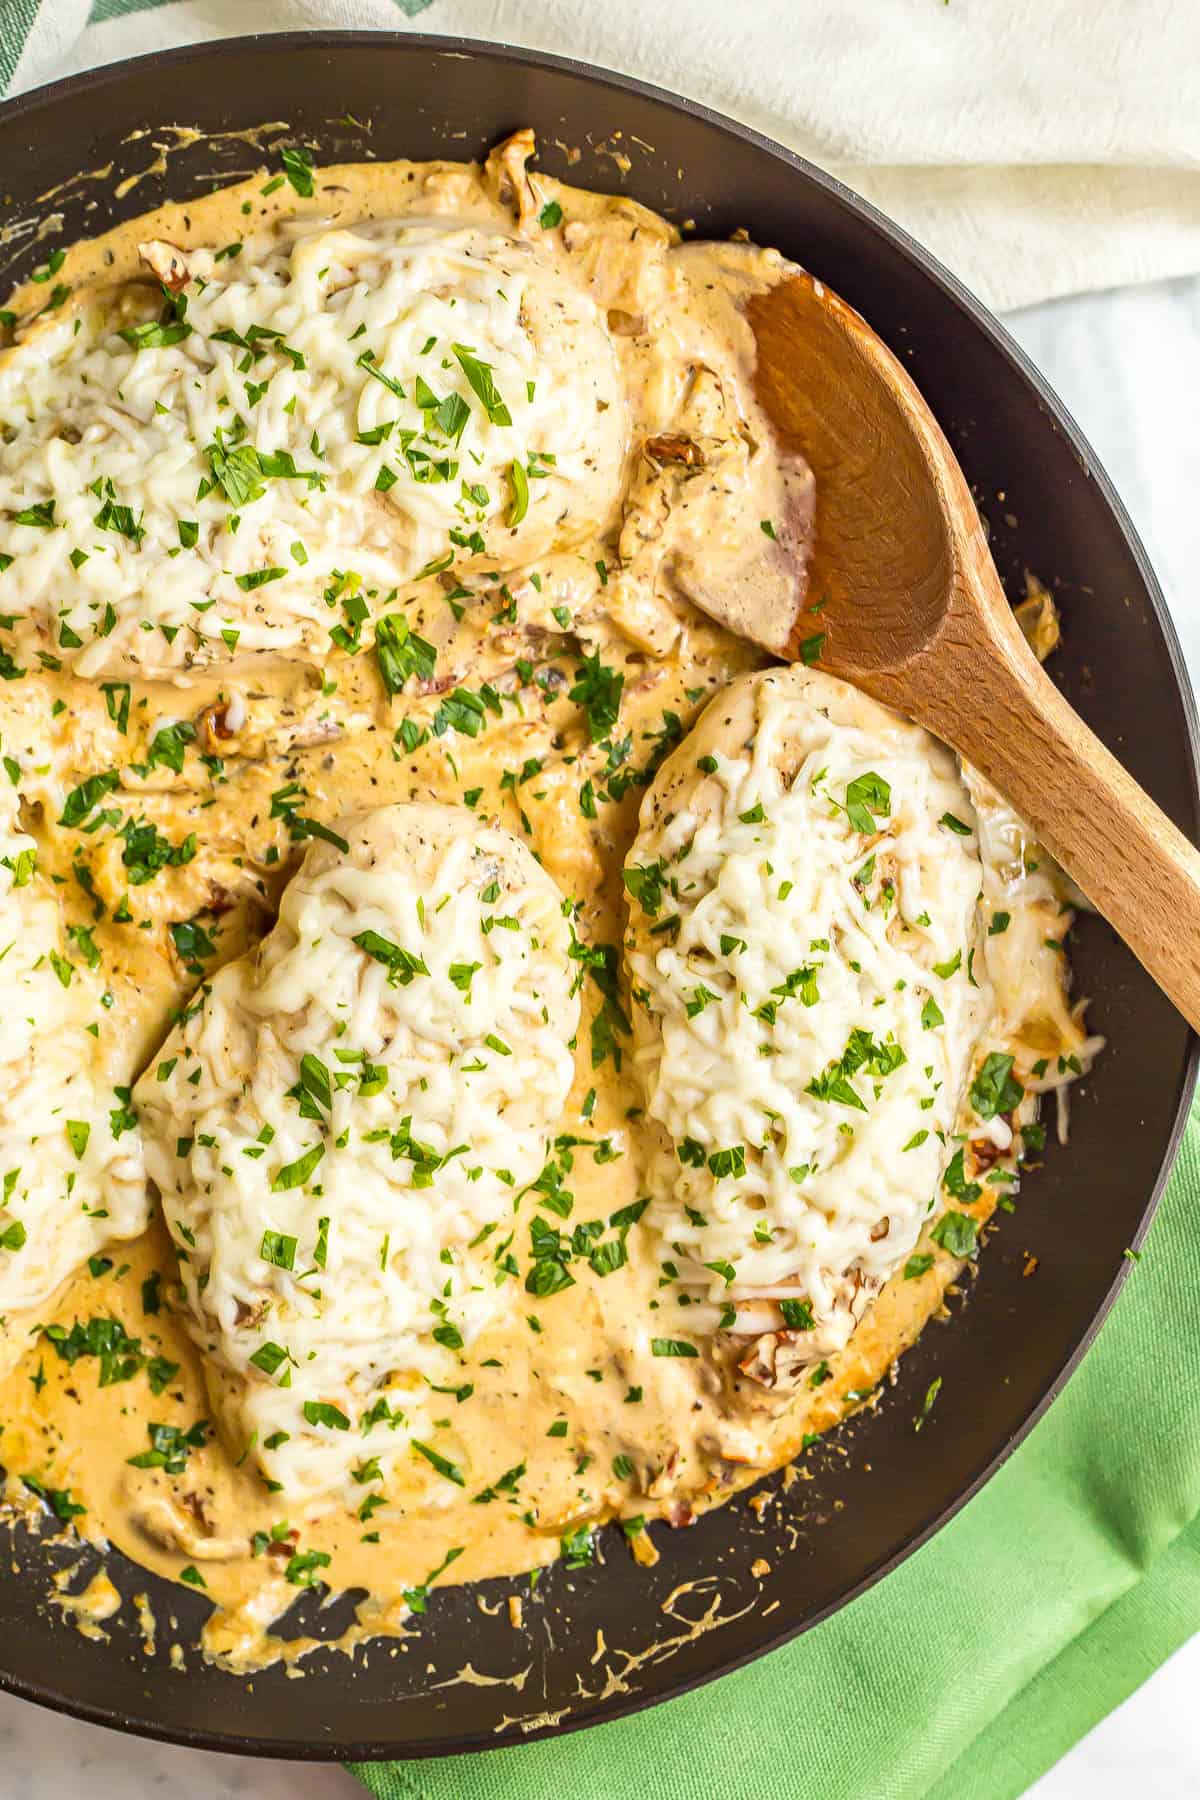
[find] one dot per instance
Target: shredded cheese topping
(193, 482)
(802, 958)
(71, 1172)
(342, 1126)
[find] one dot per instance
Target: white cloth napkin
(1039, 147)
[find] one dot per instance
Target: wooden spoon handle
(995, 704)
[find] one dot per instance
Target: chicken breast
(71, 1173)
(261, 450)
(802, 951)
(340, 1129)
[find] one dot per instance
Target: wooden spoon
(893, 588)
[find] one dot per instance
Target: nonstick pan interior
(1050, 510)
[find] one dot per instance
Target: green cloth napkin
(973, 1667)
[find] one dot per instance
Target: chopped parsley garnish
(862, 1052)
(278, 1248)
(578, 1547)
(482, 379)
(168, 746)
(116, 701)
(293, 1175)
(868, 798)
(323, 1412)
(57, 1499)
(315, 1081)
(401, 652)
(105, 1339)
(120, 519)
(269, 1357)
(931, 1394)
(450, 1470)
(645, 882)
(460, 711)
(598, 690)
(83, 800)
(257, 578)
(301, 1569)
(519, 505)
(957, 1233)
(298, 167)
(995, 1088)
(170, 1447)
(401, 964)
(192, 942)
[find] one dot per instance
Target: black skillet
(1051, 510)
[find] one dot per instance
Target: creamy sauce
(559, 1415)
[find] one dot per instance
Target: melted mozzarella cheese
(803, 898)
(340, 1130)
(70, 1151)
(320, 417)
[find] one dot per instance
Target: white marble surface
(1128, 366)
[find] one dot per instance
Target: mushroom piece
(781, 1359)
(166, 262)
(673, 446)
(507, 178)
(167, 1520)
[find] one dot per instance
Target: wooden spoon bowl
(894, 589)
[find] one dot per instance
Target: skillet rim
(52, 95)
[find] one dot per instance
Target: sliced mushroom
(166, 262)
(171, 1523)
(673, 446)
(779, 1360)
(506, 176)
